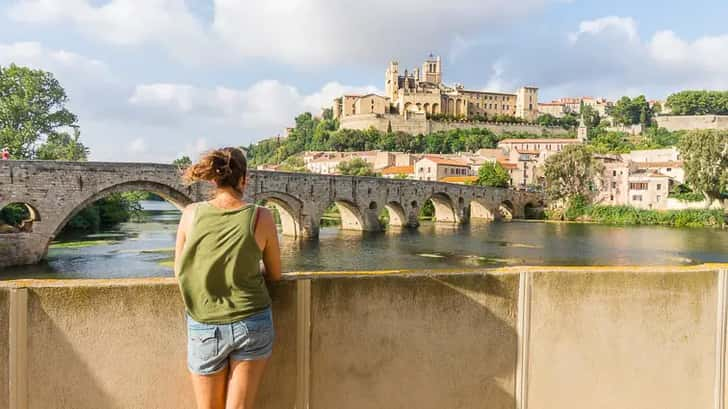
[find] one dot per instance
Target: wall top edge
(295, 276)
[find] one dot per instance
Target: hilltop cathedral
(421, 93)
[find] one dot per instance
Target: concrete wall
(4, 347)
(521, 337)
(622, 340)
(692, 122)
(414, 342)
(122, 345)
(425, 126)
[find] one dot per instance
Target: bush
(628, 215)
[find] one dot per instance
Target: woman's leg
(243, 383)
(210, 389)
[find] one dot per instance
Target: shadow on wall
(404, 342)
(64, 378)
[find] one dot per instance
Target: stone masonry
(56, 191)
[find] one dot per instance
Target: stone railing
(521, 337)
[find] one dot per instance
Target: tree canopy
(705, 154)
(32, 111)
(311, 133)
(698, 103)
(492, 174)
(571, 173)
(631, 111)
(356, 167)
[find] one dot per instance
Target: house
(433, 167)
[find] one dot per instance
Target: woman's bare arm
(266, 234)
(182, 230)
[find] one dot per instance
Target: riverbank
(628, 215)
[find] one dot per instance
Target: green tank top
(219, 272)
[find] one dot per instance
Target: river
(144, 248)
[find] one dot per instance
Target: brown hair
(225, 166)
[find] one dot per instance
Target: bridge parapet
(526, 337)
(56, 191)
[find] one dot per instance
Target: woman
(220, 244)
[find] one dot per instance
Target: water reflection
(143, 249)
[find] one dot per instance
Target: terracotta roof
(540, 140)
(508, 165)
(398, 170)
(442, 161)
(459, 179)
(529, 151)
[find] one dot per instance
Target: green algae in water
(158, 251)
(81, 244)
(166, 263)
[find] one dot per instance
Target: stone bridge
(56, 191)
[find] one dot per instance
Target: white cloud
(158, 121)
(624, 26)
(608, 57)
(295, 32)
(265, 104)
(167, 23)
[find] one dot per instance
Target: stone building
(562, 106)
(641, 179)
(422, 93)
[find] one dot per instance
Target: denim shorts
(209, 346)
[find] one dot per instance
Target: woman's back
(219, 268)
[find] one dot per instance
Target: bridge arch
(289, 208)
(23, 215)
(481, 211)
(506, 210)
(168, 193)
(397, 215)
(533, 210)
(445, 208)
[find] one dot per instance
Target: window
(614, 185)
(637, 198)
(614, 173)
(669, 169)
(422, 170)
(659, 187)
(638, 186)
(611, 197)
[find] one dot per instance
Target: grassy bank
(627, 215)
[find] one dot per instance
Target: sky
(152, 80)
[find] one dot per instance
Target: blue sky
(154, 79)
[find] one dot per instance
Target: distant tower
(432, 70)
(582, 134)
(391, 80)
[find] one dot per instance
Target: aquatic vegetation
(81, 244)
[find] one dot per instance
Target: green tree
(493, 174)
(293, 164)
(62, 146)
(356, 167)
(32, 109)
(628, 111)
(705, 154)
(698, 103)
(182, 162)
(572, 172)
(591, 117)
